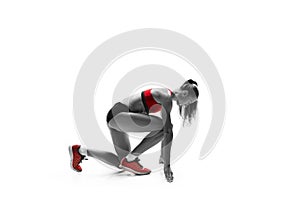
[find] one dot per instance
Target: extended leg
(106, 157)
(78, 153)
(122, 147)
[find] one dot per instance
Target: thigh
(135, 122)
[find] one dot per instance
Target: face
(185, 98)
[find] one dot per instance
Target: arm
(167, 141)
(164, 98)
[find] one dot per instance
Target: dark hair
(188, 112)
(195, 87)
(191, 81)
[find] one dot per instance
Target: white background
(255, 46)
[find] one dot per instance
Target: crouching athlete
(138, 108)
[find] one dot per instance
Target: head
(187, 99)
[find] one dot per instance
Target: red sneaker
(76, 157)
(134, 167)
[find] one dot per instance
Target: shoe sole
(71, 156)
(133, 171)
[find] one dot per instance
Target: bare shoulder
(161, 95)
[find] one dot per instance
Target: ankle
(130, 157)
(83, 150)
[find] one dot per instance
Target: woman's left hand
(168, 173)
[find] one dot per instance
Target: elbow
(169, 135)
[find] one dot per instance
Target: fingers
(170, 177)
(168, 174)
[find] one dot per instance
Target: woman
(133, 114)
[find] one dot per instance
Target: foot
(76, 157)
(134, 167)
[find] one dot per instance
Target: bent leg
(149, 141)
(121, 143)
(135, 122)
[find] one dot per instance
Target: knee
(113, 125)
(160, 125)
